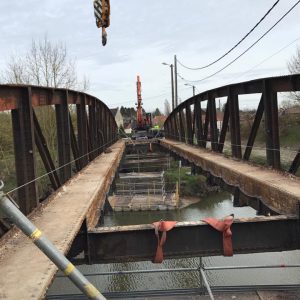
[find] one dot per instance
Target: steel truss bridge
(89, 155)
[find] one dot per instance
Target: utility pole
(176, 89)
(172, 83)
(194, 88)
(172, 87)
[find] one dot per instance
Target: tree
(156, 112)
(167, 107)
(45, 64)
(294, 68)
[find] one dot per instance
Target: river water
(218, 205)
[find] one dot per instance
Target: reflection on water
(217, 206)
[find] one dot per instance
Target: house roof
(159, 119)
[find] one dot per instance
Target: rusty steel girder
(96, 129)
(191, 239)
(279, 192)
(181, 126)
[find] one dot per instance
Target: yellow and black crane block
(102, 15)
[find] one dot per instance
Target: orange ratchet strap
(162, 226)
(223, 226)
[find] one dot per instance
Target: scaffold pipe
(39, 239)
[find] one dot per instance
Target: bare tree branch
(45, 64)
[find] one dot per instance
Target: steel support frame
(45, 154)
(82, 131)
(24, 140)
(254, 129)
(211, 102)
(138, 242)
(271, 125)
(198, 123)
(21, 100)
(268, 87)
(189, 127)
(63, 138)
(234, 116)
(206, 123)
(295, 164)
(224, 128)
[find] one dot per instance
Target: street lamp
(172, 83)
(187, 84)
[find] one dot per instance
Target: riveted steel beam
(189, 239)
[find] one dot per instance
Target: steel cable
(230, 50)
(245, 51)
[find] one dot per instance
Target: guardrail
(201, 269)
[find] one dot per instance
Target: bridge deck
(26, 273)
(278, 191)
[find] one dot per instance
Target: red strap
(162, 226)
(223, 226)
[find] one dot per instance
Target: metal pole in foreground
(28, 228)
(207, 284)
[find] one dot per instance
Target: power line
(244, 52)
(230, 50)
(267, 58)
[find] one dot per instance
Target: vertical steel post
(213, 122)
(189, 128)
(181, 122)
(198, 119)
(63, 137)
(82, 130)
(74, 145)
(23, 134)
(176, 137)
(271, 125)
(92, 127)
(233, 102)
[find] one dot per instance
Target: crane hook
(104, 36)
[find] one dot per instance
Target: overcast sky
(144, 33)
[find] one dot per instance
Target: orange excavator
(143, 123)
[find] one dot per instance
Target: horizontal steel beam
(190, 239)
(11, 94)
